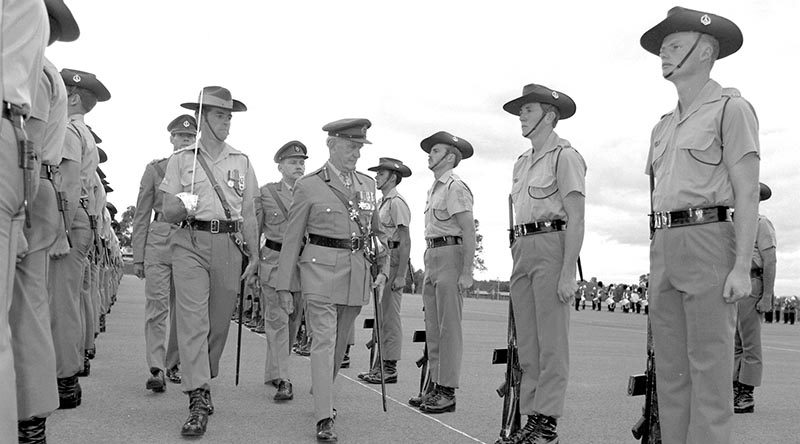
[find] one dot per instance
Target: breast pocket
(275, 218)
(703, 147)
(542, 187)
(439, 208)
(199, 180)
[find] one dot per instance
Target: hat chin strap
(686, 57)
(535, 126)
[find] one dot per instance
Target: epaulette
(731, 92)
(322, 172)
(665, 115)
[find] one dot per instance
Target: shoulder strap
(278, 201)
(225, 206)
(721, 120)
(159, 171)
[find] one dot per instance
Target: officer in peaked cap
(281, 317)
(152, 261)
(450, 238)
(700, 258)
(336, 206)
(748, 361)
(218, 231)
(547, 191)
(395, 219)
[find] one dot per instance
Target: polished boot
(744, 403)
(156, 382)
(174, 375)
(443, 401)
(260, 328)
(197, 421)
(103, 322)
(346, 360)
(284, 392)
(545, 433)
(417, 401)
(304, 349)
(372, 370)
(91, 352)
(523, 433)
(209, 404)
(325, 430)
(87, 367)
(69, 392)
(389, 374)
(31, 431)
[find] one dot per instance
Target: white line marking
(781, 349)
(388, 397)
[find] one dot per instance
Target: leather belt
(272, 245)
(756, 273)
(214, 226)
(10, 111)
(539, 227)
(84, 201)
(48, 172)
(443, 241)
(692, 216)
(393, 244)
(352, 244)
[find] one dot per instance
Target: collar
(390, 194)
(552, 142)
(282, 183)
(336, 171)
(711, 92)
(446, 176)
(78, 117)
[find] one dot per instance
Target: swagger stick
(239, 333)
(375, 299)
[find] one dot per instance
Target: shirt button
(275, 214)
(353, 234)
(327, 210)
(313, 259)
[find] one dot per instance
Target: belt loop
(214, 226)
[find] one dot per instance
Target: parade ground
(605, 348)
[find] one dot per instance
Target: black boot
(87, 367)
(91, 352)
(31, 431)
(389, 374)
(545, 433)
(284, 392)
(174, 375)
(443, 401)
(197, 421)
(325, 431)
(209, 404)
(346, 360)
(69, 392)
(417, 401)
(523, 433)
(156, 382)
(744, 403)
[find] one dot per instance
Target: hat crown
(216, 96)
(183, 124)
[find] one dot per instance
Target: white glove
(189, 201)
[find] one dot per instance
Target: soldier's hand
(464, 282)
(60, 248)
(399, 283)
(287, 301)
(138, 270)
(250, 275)
(566, 287)
(764, 304)
(737, 285)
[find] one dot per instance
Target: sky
(417, 67)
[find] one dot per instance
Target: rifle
(369, 323)
(27, 155)
(648, 427)
(373, 269)
(509, 389)
(422, 363)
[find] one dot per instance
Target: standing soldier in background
(29, 316)
(281, 318)
(450, 238)
(548, 192)
(395, 218)
(335, 205)
(700, 259)
(152, 261)
(748, 362)
(65, 282)
(210, 188)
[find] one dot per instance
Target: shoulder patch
(731, 92)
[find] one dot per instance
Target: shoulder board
(323, 173)
(665, 115)
(71, 126)
(452, 180)
(731, 92)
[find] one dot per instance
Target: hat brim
(728, 35)
(404, 171)
(102, 154)
(237, 106)
(61, 14)
(428, 143)
(566, 110)
(764, 192)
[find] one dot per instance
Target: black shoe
(443, 401)
(417, 401)
(87, 367)
(744, 403)
(325, 430)
(31, 431)
(91, 352)
(209, 404)
(69, 392)
(389, 375)
(345, 361)
(103, 322)
(521, 435)
(174, 375)
(284, 392)
(545, 432)
(304, 349)
(156, 382)
(197, 421)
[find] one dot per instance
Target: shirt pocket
(186, 181)
(702, 146)
(542, 186)
(439, 208)
(274, 217)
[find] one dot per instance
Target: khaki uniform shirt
(393, 212)
(233, 172)
(79, 146)
(543, 178)
(765, 239)
(50, 106)
(272, 221)
(686, 155)
(149, 201)
(24, 36)
(448, 196)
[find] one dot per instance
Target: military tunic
(693, 327)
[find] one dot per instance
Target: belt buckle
(356, 243)
(214, 226)
(518, 230)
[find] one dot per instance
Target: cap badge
(364, 129)
(455, 139)
(76, 78)
(296, 149)
(397, 166)
(186, 124)
(555, 95)
(705, 20)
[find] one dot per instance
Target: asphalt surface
(605, 349)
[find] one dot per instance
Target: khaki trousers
(391, 324)
(443, 312)
(161, 345)
(693, 332)
(280, 330)
(542, 323)
(206, 269)
(34, 353)
(747, 362)
(330, 325)
(64, 287)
